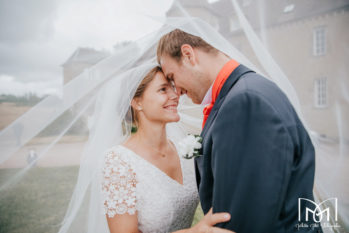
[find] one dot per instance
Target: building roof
(278, 12)
(86, 56)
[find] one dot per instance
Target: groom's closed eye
(171, 81)
(173, 85)
(169, 77)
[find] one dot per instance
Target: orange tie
(222, 76)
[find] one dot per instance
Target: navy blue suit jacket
(257, 158)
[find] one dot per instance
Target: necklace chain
(161, 153)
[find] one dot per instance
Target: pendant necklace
(163, 155)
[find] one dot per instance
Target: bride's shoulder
(113, 150)
(117, 153)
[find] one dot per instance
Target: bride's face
(159, 101)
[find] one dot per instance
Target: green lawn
(198, 215)
(31, 206)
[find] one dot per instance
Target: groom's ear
(188, 54)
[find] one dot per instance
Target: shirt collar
(208, 97)
(216, 86)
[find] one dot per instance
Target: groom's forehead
(168, 66)
(167, 61)
(164, 68)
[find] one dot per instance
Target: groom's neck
(217, 63)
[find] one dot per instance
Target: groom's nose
(179, 90)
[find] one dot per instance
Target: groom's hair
(170, 44)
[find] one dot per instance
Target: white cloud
(102, 24)
(38, 36)
(26, 20)
(8, 85)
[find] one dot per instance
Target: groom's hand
(206, 225)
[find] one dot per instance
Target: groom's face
(186, 76)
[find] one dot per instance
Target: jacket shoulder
(257, 91)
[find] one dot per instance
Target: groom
(258, 159)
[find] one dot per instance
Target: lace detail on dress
(162, 204)
(118, 186)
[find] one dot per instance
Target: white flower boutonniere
(189, 147)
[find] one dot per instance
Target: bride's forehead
(160, 79)
(160, 76)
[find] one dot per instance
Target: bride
(146, 186)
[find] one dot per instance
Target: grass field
(31, 206)
(28, 207)
(10, 112)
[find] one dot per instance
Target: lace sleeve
(118, 186)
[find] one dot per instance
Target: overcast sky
(38, 36)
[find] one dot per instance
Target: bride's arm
(119, 194)
(123, 223)
(206, 225)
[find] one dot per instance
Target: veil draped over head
(70, 134)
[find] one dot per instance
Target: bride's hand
(206, 225)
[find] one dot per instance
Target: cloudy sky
(38, 36)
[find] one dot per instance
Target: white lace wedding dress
(131, 183)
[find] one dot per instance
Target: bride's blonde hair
(140, 90)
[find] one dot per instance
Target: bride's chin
(174, 118)
(177, 119)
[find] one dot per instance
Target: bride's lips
(171, 107)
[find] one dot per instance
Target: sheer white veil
(102, 95)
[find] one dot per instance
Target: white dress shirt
(208, 97)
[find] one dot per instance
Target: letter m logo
(318, 211)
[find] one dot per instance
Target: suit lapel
(229, 83)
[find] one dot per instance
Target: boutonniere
(189, 147)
